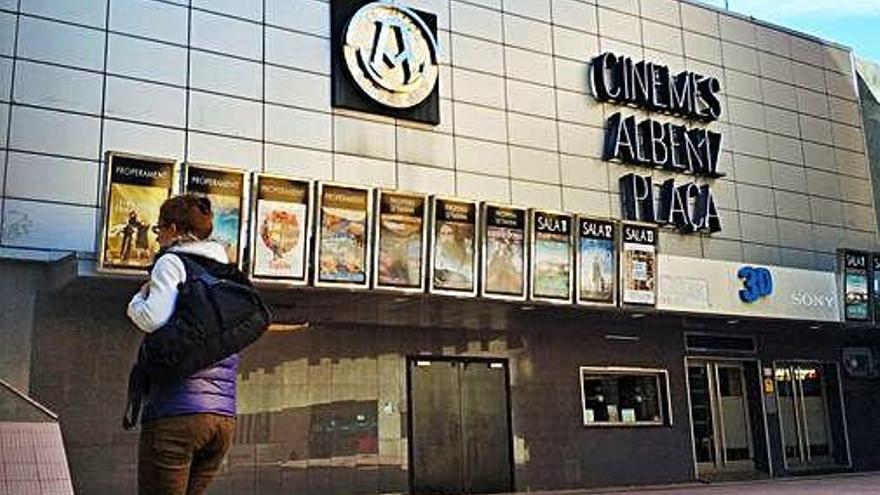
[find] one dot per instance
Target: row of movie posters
(137, 186)
(383, 239)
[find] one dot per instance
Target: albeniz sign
(689, 207)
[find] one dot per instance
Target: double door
(806, 414)
(720, 416)
(459, 426)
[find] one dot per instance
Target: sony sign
(695, 151)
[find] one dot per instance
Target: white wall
(518, 122)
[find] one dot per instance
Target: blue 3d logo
(757, 283)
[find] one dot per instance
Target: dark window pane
(622, 398)
(730, 382)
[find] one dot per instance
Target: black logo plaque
(384, 59)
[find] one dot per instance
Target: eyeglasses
(158, 227)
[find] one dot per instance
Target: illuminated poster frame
(875, 286)
(856, 286)
(554, 225)
(296, 194)
(408, 208)
(367, 210)
(454, 213)
(506, 220)
(227, 182)
(596, 245)
(638, 264)
(144, 172)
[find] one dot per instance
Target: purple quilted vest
(211, 390)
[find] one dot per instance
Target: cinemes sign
(688, 207)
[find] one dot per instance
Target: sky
(854, 23)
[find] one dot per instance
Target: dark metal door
(485, 427)
(435, 415)
(460, 427)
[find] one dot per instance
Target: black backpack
(216, 315)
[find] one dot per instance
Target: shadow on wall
(323, 410)
(320, 411)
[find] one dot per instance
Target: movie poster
(136, 189)
(504, 253)
(225, 189)
(400, 251)
(454, 246)
(597, 274)
(281, 229)
(343, 245)
(639, 264)
(551, 256)
(855, 282)
(856, 296)
(875, 279)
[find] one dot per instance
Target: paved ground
(828, 485)
(859, 484)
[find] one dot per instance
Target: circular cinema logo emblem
(391, 54)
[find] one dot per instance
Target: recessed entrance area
(459, 420)
(810, 415)
(725, 416)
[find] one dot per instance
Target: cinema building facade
(508, 245)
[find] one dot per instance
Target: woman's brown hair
(190, 213)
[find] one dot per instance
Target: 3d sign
(757, 283)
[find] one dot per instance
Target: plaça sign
(695, 285)
(689, 207)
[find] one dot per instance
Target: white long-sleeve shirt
(151, 308)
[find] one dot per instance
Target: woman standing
(187, 426)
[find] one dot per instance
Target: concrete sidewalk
(848, 484)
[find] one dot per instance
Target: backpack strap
(138, 386)
(195, 269)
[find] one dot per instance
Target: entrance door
(805, 414)
(720, 418)
(460, 427)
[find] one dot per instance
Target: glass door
(720, 418)
(804, 415)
